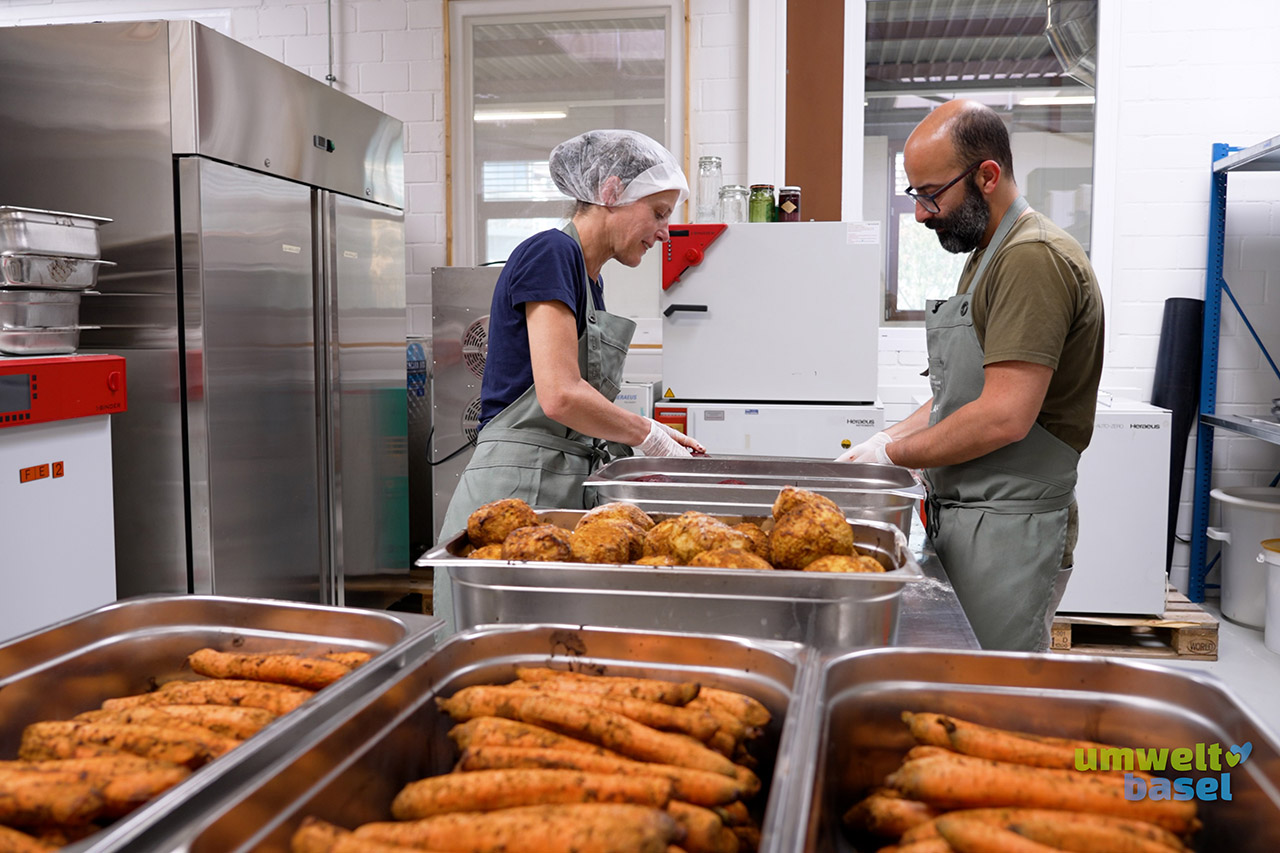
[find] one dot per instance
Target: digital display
(15, 392)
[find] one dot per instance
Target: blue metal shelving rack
(1263, 157)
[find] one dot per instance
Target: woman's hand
(665, 441)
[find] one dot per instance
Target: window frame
(461, 213)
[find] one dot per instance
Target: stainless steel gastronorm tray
(748, 485)
(38, 308)
(826, 610)
(131, 646)
(49, 232)
(349, 772)
(861, 695)
(47, 340)
(51, 272)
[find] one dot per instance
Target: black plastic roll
(1177, 388)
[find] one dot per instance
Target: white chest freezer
(1123, 493)
(773, 429)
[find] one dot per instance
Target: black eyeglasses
(929, 202)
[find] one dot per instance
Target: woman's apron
(999, 522)
(522, 453)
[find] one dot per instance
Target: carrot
(751, 711)
(487, 790)
(13, 841)
(888, 813)
(928, 845)
(612, 731)
(124, 781)
(700, 787)
(351, 659)
(652, 689)
(997, 744)
(317, 836)
(277, 698)
(148, 715)
(225, 720)
(748, 837)
(591, 828)
(971, 836)
(37, 799)
(923, 751)
(704, 832)
(484, 700)
(64, 834)
(58, 739)
(733, 814)
(727, 721)
(1077, 831)
(961, 782)
(296, 670)
(499, 731)
(722, 742)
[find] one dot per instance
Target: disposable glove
(871, 450)
(660, 442)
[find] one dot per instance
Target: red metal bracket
(684, 248)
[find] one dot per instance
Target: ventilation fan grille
(475, 345)
(471, 421)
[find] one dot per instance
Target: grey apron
(522, 453)
(998, 522)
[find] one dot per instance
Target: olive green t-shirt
(1039, 302)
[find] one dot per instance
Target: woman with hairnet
(555, 356)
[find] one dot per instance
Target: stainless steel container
(133, 645)
(49, 232)
(38, 308)
(349, 773)
(862, 737)
(748, 485)
(55, 272)
(825, 610)
(45, 340)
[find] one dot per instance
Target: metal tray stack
(133, 645)
(748, 485)
(861, 738)
(824, 610)
(349, 772)
(47, 260)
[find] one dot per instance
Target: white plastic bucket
(1271, 557)
(1249, 514)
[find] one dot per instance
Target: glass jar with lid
(760, 203)
(789, 204)
(733, 203)
(710, 178)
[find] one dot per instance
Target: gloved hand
(871, 450)
(661, 442)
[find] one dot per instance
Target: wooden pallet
(1184, 631)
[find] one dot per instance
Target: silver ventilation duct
(1072, 30)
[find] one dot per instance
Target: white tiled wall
(1185, 75)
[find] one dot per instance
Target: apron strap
(538, 439)
(1007, 222)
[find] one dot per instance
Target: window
(997, 52)
(522, 83)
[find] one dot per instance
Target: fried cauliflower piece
(607, 540)
(491, 523)
(543, 543)
(791, 497)
(656, 560)
(843, 563)
(617, 509)
(691, 533)
(729, 558)
(808, 532)
(488, 552)
(757, 539)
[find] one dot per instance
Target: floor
(1246, 666)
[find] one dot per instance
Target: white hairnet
(582, 165)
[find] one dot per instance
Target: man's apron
(522, 453)
(998, 522)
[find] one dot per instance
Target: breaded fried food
(843, 563)
(543, 543)
(792, 496)
(487, 552)
(657, 560)
(617, 509)
(757, 539)
(730, 558)
(493, 522)
(608, 540)
(690, 534)
(657, 541)
(808, 532)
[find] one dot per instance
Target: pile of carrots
(558, 761)
(72, 777)
(970, 788)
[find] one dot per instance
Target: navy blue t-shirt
(546, 267)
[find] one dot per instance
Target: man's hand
(871, 450)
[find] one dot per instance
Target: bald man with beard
(1015, 358)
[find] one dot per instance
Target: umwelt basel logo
(1137, 764)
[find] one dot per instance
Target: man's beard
(963, 230)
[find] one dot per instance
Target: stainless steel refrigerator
(258, 299)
